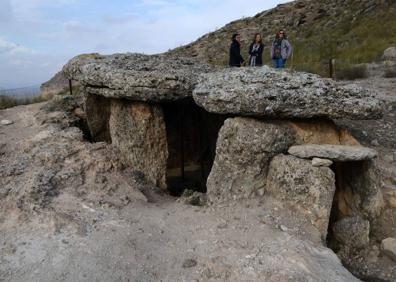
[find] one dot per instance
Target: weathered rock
(138, 130)
(244, 149)
(58, 84)
(317, 162)
(136, 76)
(307, 189)
(389, 54)
(388, 246)
(6, 122)
(390, 196)
(352, 232)
(320, 131)
(282, 94)
(333, 152)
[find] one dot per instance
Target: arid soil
(68, 213)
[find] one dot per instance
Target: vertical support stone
(244, 150)
(138, 130)
(310, 190)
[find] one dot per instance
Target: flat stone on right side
(340, 153)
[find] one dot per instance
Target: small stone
(189, 263)
(6, 122)
(317, 162)
(222, 225)
(283, 228)
(375, 142)
(261, 192)
(388, 247)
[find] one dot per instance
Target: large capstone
(136, 77)
(266, 92)
(244, 149)
(307, 189)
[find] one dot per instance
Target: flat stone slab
(136, 77)
(6, 122)
(339, 153)
(266, 92)
(317, 162)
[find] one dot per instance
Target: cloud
(6, 12)
(38, 36)
(11, 48)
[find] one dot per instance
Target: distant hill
(352, 31)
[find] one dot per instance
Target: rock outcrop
(56, 85)
(137, 77)
(265, 92)
(389, 54)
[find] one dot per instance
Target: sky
(37, 37)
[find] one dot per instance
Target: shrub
(390, 72)
(352, 72)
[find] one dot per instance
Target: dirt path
(69, 214)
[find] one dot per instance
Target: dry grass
(9, 102)
(352, 72)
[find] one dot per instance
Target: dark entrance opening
(191, 134)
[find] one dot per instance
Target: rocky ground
(70, 211)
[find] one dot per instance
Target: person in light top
(281, 50)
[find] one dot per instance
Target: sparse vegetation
(9, 101)
(352, 72)
(352, 33)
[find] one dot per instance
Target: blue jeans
(279, 63)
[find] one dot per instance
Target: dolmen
(243, 132)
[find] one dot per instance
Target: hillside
(351, 31)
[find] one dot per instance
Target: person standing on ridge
(256, 51)
(281, 50)
(236, 59)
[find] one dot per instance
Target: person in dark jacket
(281, 50)
(256, 51)
(236, 59)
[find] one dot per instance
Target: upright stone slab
(310, 190)
(244, 149)
(138, 130)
